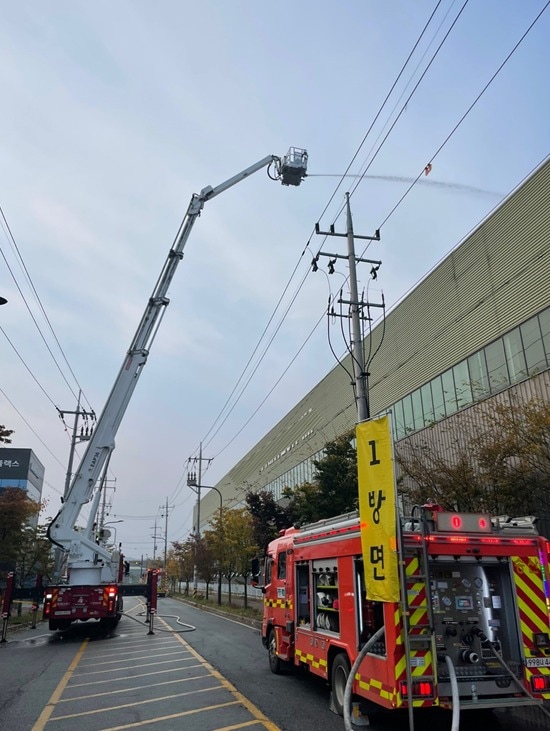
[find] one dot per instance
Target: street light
(3, 301)
(192, 482)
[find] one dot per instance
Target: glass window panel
(418, 414)
(398, 420)
(427, 404)
(479, 378)
(438, 398)
(496, 365)
(462, 384)
(449, 392)
(513, 347)
(533, 346)
(408, 417)
(544, 320)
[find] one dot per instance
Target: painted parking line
(119, 685)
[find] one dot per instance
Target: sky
(115, 114)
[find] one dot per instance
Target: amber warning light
(463, 522)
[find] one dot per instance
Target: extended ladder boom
(81, 544)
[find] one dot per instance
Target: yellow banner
(377, 513)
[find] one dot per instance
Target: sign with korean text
(377, 514)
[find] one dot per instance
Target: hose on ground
(359, 659)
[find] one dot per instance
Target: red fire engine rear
(66, 604)
(472, 625)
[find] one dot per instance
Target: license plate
(537, 662)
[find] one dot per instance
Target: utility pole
(165, 535)
(196, 483)
(84, 436)
(357, 306)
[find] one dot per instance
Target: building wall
(21, 468)
(494, 280)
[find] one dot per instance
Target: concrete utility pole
(195, 483)
(165, 534)
(356, 307)
(84, 436)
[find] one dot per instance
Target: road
(198, 671)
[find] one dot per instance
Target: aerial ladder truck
(93, 587)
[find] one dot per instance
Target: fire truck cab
(471, 626)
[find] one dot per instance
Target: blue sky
(114, 114)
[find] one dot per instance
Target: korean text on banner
(377, 513)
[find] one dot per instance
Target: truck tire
(275, 664)
(339, 677)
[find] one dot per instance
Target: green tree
(184, 555)
(334, 489)
(238, 547)
(206, 561)
(16, 508)
(268, 517)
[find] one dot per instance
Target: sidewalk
(235, 609)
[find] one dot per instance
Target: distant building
(21, 468)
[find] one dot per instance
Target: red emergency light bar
(463, 522)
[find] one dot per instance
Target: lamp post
(192, 482)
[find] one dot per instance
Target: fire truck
(93, 588)
(471, 626)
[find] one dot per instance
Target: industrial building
(477, 327)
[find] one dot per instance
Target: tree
(34, 555)
(235, 545)
(184, 555)
(16, 508)
(5, 434)
(499, 461)
(205, 560)
(268, 517)
(334, 489)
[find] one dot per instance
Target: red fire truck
(471, 628)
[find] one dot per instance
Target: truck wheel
(339, 677)
(275, 664)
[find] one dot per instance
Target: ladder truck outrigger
(93, 588)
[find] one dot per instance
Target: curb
(250, 621)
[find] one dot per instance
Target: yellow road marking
(251, 708)
(151, 721)
(56, 695)
(160, 699)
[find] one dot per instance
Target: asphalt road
(198, 672)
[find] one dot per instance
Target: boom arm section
(80, 544)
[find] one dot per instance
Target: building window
(515, 356)
(438, 398)
(533, 346)
(398, 420)
(479, 377)
(544, 320)
(427, 404)
(418, 412)
(449, 392)
(463, 384)
(496, 366)
(408, 417)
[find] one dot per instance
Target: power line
(31, 283)
(241, 377)
(466, 113)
